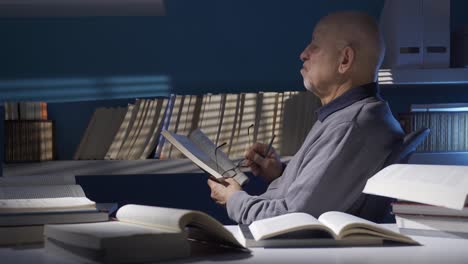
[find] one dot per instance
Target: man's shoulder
(375, 114)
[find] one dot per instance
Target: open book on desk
(201, 150)
(140, 234)
(330, 229)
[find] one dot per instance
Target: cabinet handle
(409, 50)
(436, 49)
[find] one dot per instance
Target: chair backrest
(410, 143)
(377, 208)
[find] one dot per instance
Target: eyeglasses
(241, 164)
(230, 172)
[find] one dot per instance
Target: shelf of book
(423, 76)
(104, 167)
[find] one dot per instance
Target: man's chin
(308, 86)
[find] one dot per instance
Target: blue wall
(204, 45)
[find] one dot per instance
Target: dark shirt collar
(348, 98)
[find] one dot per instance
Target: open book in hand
(202, 151)
(330, 229)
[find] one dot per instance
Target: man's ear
(346, 60)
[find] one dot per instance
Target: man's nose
(303, 56)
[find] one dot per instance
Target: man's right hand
(268, 167)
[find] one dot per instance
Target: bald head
(346, 51)
(359, 31)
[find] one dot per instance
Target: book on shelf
(245, 129)
(141, 105)
(330, 229)
(29, 140)
(121, 134)
(155, 128)
(139, 234)
(229, 121)
(25, 110)
(29, 202)
(165, 150)
(202, 151)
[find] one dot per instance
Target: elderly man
(354, 134)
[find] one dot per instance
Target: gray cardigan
(344, 148)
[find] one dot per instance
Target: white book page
(345, 225)
(46, 204)
(438, 185)
(160, 217)
(36, 180)
(41, 191)
(270, 227)
(339, 221)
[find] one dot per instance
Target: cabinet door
(436, 39)
(402, 27)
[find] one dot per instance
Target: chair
(377, 208)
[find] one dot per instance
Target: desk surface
(433, 250)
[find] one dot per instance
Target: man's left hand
(221, 192)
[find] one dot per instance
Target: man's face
(320, 59)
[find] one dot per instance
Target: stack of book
(432, 198)
(27, 203)
(427, 220)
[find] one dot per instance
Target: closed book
(434, 223)
(425, 209)
(53, 217)
(20, 235)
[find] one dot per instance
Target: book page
(160, 217)
(438, 185)
(41, 191)
(46, 204)
(339, 221)
(346, 225)
(278, 225)
(36, 180)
